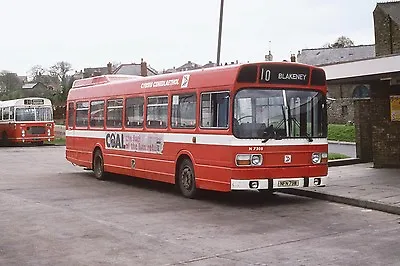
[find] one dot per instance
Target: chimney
(109, 68)
(293, 58)
(143, 68)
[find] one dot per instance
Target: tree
(9, 82)
(60, 71)
(340, 42)
(37, 72)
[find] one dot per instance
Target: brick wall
(341, 111)
(362, 121)
(387, 34)
(385, 133)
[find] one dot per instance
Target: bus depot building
(377, 118)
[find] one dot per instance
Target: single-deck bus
(258, 126)
(26, 120)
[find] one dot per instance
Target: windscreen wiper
(310, 139)
(269, 133)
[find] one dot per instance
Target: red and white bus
(259, 126)
(26, 120)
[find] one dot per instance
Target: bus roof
(22, 102)
(217, 77)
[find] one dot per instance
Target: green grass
(336, 156)
(59, 141)
(342, 133)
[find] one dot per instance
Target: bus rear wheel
(98, 165)
(187, 179)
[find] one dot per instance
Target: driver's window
(214, 110)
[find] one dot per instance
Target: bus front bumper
(278, 183)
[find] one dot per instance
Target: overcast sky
(167, 33)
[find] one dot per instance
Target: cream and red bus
(26, 120)
(258, 126)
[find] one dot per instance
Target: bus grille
(36, 130)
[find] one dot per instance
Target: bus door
(70, 132)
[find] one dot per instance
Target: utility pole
(221, 13)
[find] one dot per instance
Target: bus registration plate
(288, 183)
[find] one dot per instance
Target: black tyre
(98, 165)
(187, 179)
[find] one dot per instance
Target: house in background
(135, 69)
(387, 28)
(37, 89)
(341, 109)
(96, 71)
(387, 42)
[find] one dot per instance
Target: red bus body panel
(213, 160)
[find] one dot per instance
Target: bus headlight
(316, 158)
(256, 159)
(48, 132)
(249, 159)
(23, 133)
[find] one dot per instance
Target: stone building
(341, 97)
(387, 28)
(377, 118)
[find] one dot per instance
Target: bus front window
(31, 114)
(279, 113)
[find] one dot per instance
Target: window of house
(361, 91)
(215, 110)
(114, 113)
(71, 111)
(345, 110)
(183, 111)
(82, 112)
(134, 112)
(157, 112)
(97, 114)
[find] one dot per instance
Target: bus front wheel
(98, 165)
(187, 179)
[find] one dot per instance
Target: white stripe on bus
(208, 139)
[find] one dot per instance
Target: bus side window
(114, 113)
(82, 113)
(6, 113)
(157, 112)
(11, 113)
(183, 111)
(71, 112)
(215, 110)
(1, 114)
(97, 114)
(134, 112)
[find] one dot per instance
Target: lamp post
(221, 13)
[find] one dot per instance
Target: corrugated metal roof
(392, 9)
(324, 56)
(30, 85)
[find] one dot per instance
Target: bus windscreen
(284, 113)
(31, 114)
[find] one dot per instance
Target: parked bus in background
(259, 126)
(26, 120)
